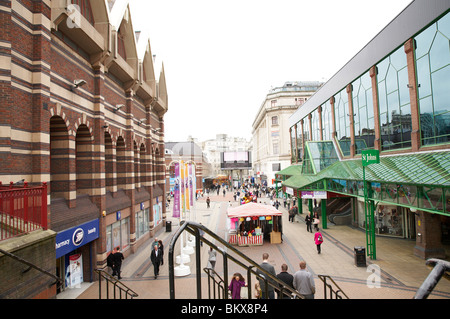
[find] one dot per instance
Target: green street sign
(370, 157)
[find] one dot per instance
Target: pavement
(396, 273)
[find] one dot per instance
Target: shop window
(432, 55)
(394, 102)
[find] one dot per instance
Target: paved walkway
(401, 272)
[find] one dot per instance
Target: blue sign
(72, 238)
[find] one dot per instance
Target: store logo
(78, 236)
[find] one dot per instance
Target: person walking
(304, 282)
(287, 278)
(161, 247)
(110, 262)
(208, 201)
(291, 215)
(155, 258)
(318, 239)
(235, 286)
(308, 221)
(262, 282)
(118, 257)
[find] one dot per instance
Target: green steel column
(310, 206)
(300, 205)
(323, 205)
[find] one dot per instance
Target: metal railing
(58, 281)
(114, 288)
(441, 268)
(220, 286)
(22, 209)
(331, 288)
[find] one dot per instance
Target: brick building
(392, 97)
(82, 109)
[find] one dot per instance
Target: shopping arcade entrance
(413, 182)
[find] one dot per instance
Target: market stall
(250, 224)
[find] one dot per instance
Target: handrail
(194, 228)
(441, 268)
(31, 265)
(117, 285)
(326, 286)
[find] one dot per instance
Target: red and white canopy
(252, 210)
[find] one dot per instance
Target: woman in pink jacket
(318, 239)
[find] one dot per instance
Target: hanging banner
(191, 185)
(183, 185)
(176, 192)
(186, 184)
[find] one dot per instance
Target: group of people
(114, 261)
(302, 281)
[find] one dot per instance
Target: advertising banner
(176, 192)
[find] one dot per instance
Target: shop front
(74, 251)
(250, 224)
(390, 220)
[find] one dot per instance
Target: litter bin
(360, 256)
(168, 226)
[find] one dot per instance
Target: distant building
(270, 142)
(214, 150)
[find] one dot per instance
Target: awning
(253, 209)
(289, 171)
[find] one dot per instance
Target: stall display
(251, 223)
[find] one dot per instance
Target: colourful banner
(186, 184)
(191, 185)
(176, 192)
(183, 183)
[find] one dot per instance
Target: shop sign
(314, 194)
(70, 239)
(370, 157)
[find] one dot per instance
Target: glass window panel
(442, 127)
(398, 58)
(444, 25)
(423, 76)
(439, 52)
(403, 89)
(424, 40)
(391, 80)
(441, 90)
(382, 68)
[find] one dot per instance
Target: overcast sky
(222, 57)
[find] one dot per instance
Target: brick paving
(402, 273)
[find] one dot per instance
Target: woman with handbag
(235, 286)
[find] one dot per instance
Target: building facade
(81, 109)
(392, 97)
(270, 140)
(214, 150)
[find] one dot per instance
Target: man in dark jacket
(118, 257)
(287, 278)
(110, 263)
(156, 257)
(262, 283)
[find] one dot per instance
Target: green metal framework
(420, 181)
